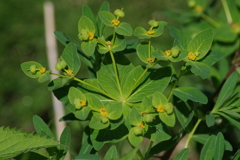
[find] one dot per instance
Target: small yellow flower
(151, 32)
(191, 56)
(141, 125)
(42, 70)
(91, 35)
(108, 43)
(83, 103)
(150, 60)
(103, 111)
(69, 73)
(116, 22)
(168, 52)
(198, 9)
(160, 109)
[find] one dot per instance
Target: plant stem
(149, 148)
(227, 12)
(149, 49)
(192, 132)
(136, 82)
(116, 73)
(209, 20)
(140, 156)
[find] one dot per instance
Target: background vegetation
(22, 39)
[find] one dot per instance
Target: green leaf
(135, 140)
(141, 33)
(115, 110)
(190, 93)
(182, 155)
(146, 105)
(225, 33)
(88, 47)
(143, 52)
(208, 149)
(119, 43)
(83, 113)
(111, 154)
(159, 99)
(148, 84)
(219, 149)
(96, 123)
(44, 77)
(65, 140)
(162, 146)
(94, 103)
(15, 142)
(233, 121)
(71, 57)
(106, 18)
(100, 24)
(168, 119)
(57, 83)
(159, 30)
(100, 137)
(85, 23)
(134, 117)
(124, 29)
(41, 127)
(86, 11)
(86, 144)
(179, 38)
(160, 55)
(129, 155)
(232, 114)
(31, 156)
(75, 93)
(26, 69)
(210, 119)
(87, 157)
(212, 57)
(226, 90)
(237, 155)
(160, 132)
(200, 69)
(201, 43)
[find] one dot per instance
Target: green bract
(120, 100)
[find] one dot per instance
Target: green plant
(123, 101)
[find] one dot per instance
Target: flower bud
(104, 119)
(83, 35)
(33, 69)
(168, 108)
(153, 23)
(63, 64)
(77, 103)
(58, 66)
(191, 3)
(137, 131)
(119, 13)
(148, 118)
(175, 51)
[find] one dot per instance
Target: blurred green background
(22, 38)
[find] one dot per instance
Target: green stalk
(227, 12)
(192, 133)
(116, 73)
(140, 156)
(149, 148)
(83, 82)
(136, 82)
(174, 85)
(149, 49)
(209, 20)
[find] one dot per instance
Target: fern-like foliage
(14, 142)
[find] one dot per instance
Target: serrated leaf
(210, 119)
(201, 43)
(200, 69)
(190, 93)
(124, 29)
(219, 149)
(208, 149)
(26, 69)
(182, 155)
(111, 154)
(14, 142)
(71, 57)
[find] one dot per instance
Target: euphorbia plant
(122, 101)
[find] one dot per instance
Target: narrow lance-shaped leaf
(219, 149)
(182, 155)
(208, 150)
